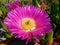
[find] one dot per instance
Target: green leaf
(8, 35)
(50, 37)
(35, 2)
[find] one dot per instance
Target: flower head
(13, 5)
(28, 21)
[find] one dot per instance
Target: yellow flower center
(28, 24)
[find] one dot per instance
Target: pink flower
(13, 5)
(28, 22)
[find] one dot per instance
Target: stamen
(28, 24)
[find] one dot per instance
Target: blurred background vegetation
(52, 7)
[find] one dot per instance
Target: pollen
(28, 24)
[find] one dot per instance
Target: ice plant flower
(13, 5)
(27, 22)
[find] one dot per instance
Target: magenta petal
(27, 41)
(37, 40)
(24, 36)
(13, 5)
